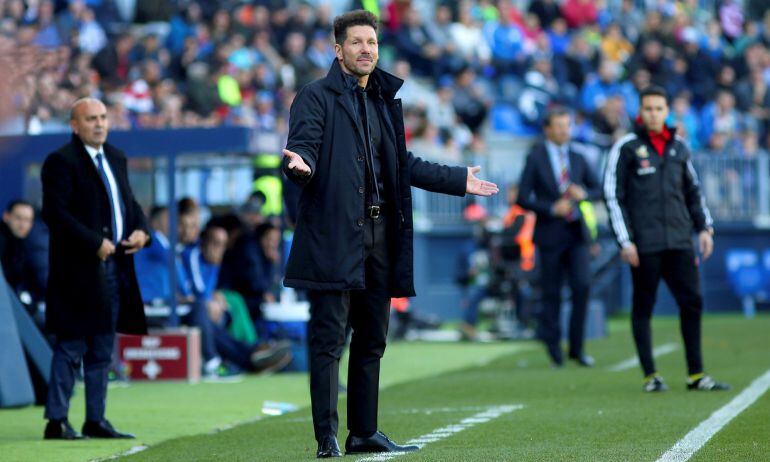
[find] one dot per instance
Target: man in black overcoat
(96, 226)
(352, 247)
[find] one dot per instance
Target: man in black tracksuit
(655, 204)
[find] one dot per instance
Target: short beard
(352, 68)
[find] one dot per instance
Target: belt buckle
(374, 211)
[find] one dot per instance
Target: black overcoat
(76, 209)
(324, 128)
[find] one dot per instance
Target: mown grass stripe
(630, 363)
(447, 431)
(700, 435)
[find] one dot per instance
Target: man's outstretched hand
(297, 163)
(477, 186)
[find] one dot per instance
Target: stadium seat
(505, 118)
(745, 275)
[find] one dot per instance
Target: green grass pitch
(571, 414)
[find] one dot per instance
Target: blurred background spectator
(190, 63)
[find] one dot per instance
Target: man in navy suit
(554, 181)
(96, 226)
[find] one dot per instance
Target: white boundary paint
(422, 411)
(630, 363)
(438, 434)
(699, 436)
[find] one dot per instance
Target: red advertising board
(162, 355)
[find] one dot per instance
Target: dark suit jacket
(77, 211)
(539, 190)
(325, 129)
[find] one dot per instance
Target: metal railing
(736, 188)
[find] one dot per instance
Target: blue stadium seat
(745, 275)
(506, 119)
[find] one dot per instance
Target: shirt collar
(555, 148)
(93, 151)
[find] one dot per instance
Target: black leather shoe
(327, 448)
(60, 430)
(103, 429)
(583, 360)
(378, 442)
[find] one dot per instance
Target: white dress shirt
(113, 186)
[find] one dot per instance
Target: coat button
(360, 158)
(360, 222)
(360, 190)
(105, 229)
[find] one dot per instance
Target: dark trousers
(679, 270)
(216, 341)
(570, 257)
(95, 352)
(368, 313)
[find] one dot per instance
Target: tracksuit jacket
(654, 200)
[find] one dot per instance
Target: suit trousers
(679, 269)
(367, 311)
(95, 354)
(571, 256)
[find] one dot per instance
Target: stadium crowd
(467, 64)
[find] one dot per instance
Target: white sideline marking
(629, 363)
(445, 432)
(133, 450)
(423, 411)
(699, 436)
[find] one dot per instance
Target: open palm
(478, 186)
(297, 163)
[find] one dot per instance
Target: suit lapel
(548, 172)
(88, 164)
(346, 100)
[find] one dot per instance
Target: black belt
(375, 211)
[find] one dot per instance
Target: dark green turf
(571, 414)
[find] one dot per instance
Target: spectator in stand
(188, 224)
(152, 264)
(413, 42)
(469, 40)
(581, 59)
(720, 116)
(753, 96)
(202, 267)
(546, 11)
(506, 42)
(600, 86)
(630, 19)
(579, 13)
(651, 58)
(253, 269)
(218, 58)
(469, 100)
(630, 90)
(615, 47)
(701, 67)
(14, 229)
(114, 61)
(542, 91)
(685, 119)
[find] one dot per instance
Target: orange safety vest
(524, 237)
(400, 304)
